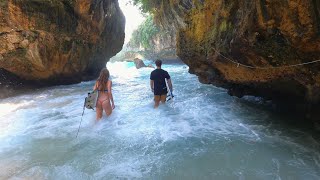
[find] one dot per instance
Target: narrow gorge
(244, 101)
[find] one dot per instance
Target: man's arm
(170, 84)
(152, 85)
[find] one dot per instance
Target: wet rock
(235, 37)
(255, 48)
(140, 64)
(59, 42)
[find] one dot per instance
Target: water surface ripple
(203, 134)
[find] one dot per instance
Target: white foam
(201, 128)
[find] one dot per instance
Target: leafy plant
(144, 34)
(146, 6)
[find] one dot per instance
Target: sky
(133, 17)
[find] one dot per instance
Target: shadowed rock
(264, 37)
(52, 42)
(59, 41)
(140, 64)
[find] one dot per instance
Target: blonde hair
(103, 79)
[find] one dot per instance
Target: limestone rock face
(164, 45)
(59, 41)
(249, 47)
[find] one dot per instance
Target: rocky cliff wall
(263, 36)
(164, 45)
(150, 41)
(58, 41)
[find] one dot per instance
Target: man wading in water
(158, 84)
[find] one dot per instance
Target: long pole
(82, 116)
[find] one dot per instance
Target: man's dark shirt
(158, 76)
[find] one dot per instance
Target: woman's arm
(95, 86)
(110, 94)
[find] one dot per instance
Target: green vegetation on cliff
(157, 39)
(144, 34)
(146, 6)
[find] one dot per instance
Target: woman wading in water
(103, 85)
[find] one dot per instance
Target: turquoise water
(203, 134)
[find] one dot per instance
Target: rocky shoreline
(12, 85)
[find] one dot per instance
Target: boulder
(140, 64)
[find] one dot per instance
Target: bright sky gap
(133, 17)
